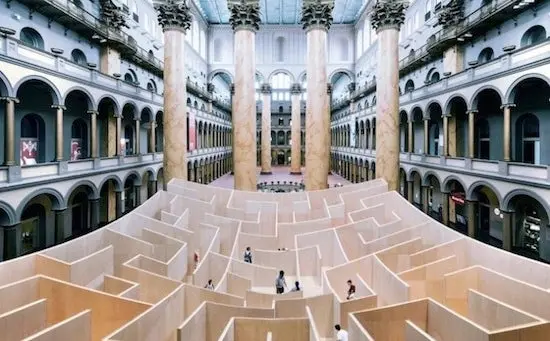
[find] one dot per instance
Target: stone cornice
(245, 14)
(388, 14)
(317, 14)
(173, 15)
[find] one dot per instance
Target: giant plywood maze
(138, 279)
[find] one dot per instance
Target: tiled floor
(278, 174)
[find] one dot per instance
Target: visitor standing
(209, 285)
(280, 282)
(341, 334)
(351, 290)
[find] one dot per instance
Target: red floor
(278, 174)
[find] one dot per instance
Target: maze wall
(143, 277)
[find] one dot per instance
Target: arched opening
(403, 188)
(457, 206)
(417, 189)
(106, 125)
(79, 140)
(409, 86)
(433, 76)
(529, 224)
(485, 55)
(34, 220)
(152, 86)
(488, 220)
(79, 207)
(32, 140)
(435, 139)
(457, 125)
(528, 141)
(280, 138)
(79, 57)
(32, 38)
(131, 77)
(129, 141)
(132, 196)
(487, 144)
(418, 131)
(403, 132)
(534, 35)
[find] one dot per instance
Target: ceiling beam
(218, 10)
(266, 10)
(281, 12)
(344, 12)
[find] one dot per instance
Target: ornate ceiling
(280, 11)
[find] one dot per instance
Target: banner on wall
(192, 131)
(29, 151)
(76, 152)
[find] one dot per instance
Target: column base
(232, 173)
(296, 173)
(266, 173)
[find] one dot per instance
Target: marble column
(59, 132)
(93, 132)
(266, 129)
(386, 18)
(94, 213)
(426, 136)
(507, 108)
(410, 191)
(425, 202)
(411, 136)
(446, 135)
(175, 19)
(471, 121)
(9, 130)
(119, 204)
(471, 207)
(153, 137)
(245, 20)
(60, 216)
(317, 19)
(295, 130)
(445, 207)
(506, 230)
(137, 140)
(118, 135)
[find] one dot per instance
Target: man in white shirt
(341, 335)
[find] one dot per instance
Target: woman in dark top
(351, 290)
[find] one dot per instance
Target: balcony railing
(506, 171)
(54, 171)
(441, 38)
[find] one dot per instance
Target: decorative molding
(388, 14)
(245, 14)
(317, 14)
(296, 89)
(266, 89)
(451, 14)
(173, 15)
(112, 15)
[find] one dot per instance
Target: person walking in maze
(248, 255)
(280, 283)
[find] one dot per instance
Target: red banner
(29, 151)
(192, 131)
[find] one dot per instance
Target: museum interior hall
(274, 170)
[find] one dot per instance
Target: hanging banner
(28, 151)
(192, 137)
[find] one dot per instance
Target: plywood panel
(23, 321)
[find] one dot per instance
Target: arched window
(409, 86)
(130, 76)
(31, 37)
(152, 86)
(78, 57)
(344, 49)
(217, 50)
(433, 76)
(79, 132)
(534, 35)
(529, 133)
(280, 49)
(485, 55)
(32, 140)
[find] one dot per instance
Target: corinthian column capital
(245, 14)
(266, 89)
(296, 89)
(173, 15)
(317, 14)
(388, 14)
